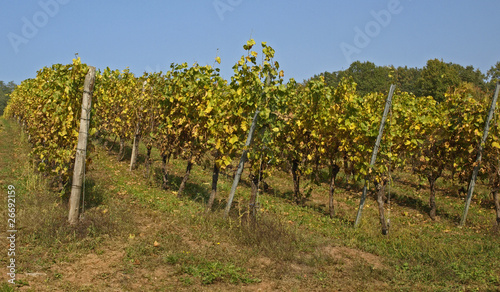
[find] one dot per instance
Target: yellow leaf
(208, 109)
(233, 139)
(495, 145)
(217, 60)
(276, 129)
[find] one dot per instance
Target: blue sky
(309, 37)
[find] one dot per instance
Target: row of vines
(191, 112)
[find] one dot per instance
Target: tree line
(434, 79)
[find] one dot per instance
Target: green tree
(368, 77)
(406, 79)
(436, 78)
(494, 76)
(494, 72)
(5, 90)
(470, 75)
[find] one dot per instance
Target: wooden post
(137, 136)
(241, 164)
(135, 146)
(81, 150)
(374, 154)
(472, 183)
(215, 179)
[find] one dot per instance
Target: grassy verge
(137, 237)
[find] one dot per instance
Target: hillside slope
(136, 237)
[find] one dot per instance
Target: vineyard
(257, 125)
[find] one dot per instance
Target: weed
(210, 272)
(58, 276)
(5, 287)
(187, 281)
(269, 236)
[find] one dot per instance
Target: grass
(134, 234)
